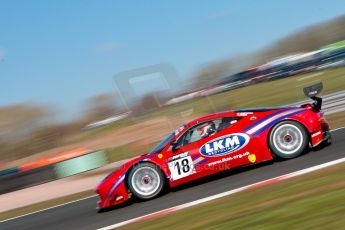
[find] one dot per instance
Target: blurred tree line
(26, 129)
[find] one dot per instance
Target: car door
(199, 155)
(230, 147)
(186, 163)
(222, 148)
(227, 148)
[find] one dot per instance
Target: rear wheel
(145, 181)
(288, 139)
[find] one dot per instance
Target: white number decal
(181, 166)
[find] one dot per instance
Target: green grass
(312, 201)
(120, 153)
(92, 133)
(125, 152)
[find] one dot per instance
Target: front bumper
(109, 197)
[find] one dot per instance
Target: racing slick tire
(145, 181)
(288, 139)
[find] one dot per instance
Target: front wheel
(288, 139)
(145, 181)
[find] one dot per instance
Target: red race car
(215, 143)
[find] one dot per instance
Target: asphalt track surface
(83, 215)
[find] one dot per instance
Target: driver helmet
(207, 129)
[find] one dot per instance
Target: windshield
(163, 143)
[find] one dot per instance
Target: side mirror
(174, 145)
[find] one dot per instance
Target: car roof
(233, 113)
(211, 116)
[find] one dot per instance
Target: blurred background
(80, 77)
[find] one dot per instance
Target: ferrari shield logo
(252, 158)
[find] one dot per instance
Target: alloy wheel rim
(145, 181)
(288, 139)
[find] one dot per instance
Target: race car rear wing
(311, 92)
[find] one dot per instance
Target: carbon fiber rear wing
(311, 92)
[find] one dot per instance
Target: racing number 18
(181, 167)
(185, 166)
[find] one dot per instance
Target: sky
(59, 53)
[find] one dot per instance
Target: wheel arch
(292, 120)
(166, 179)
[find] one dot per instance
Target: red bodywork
(253, 126)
